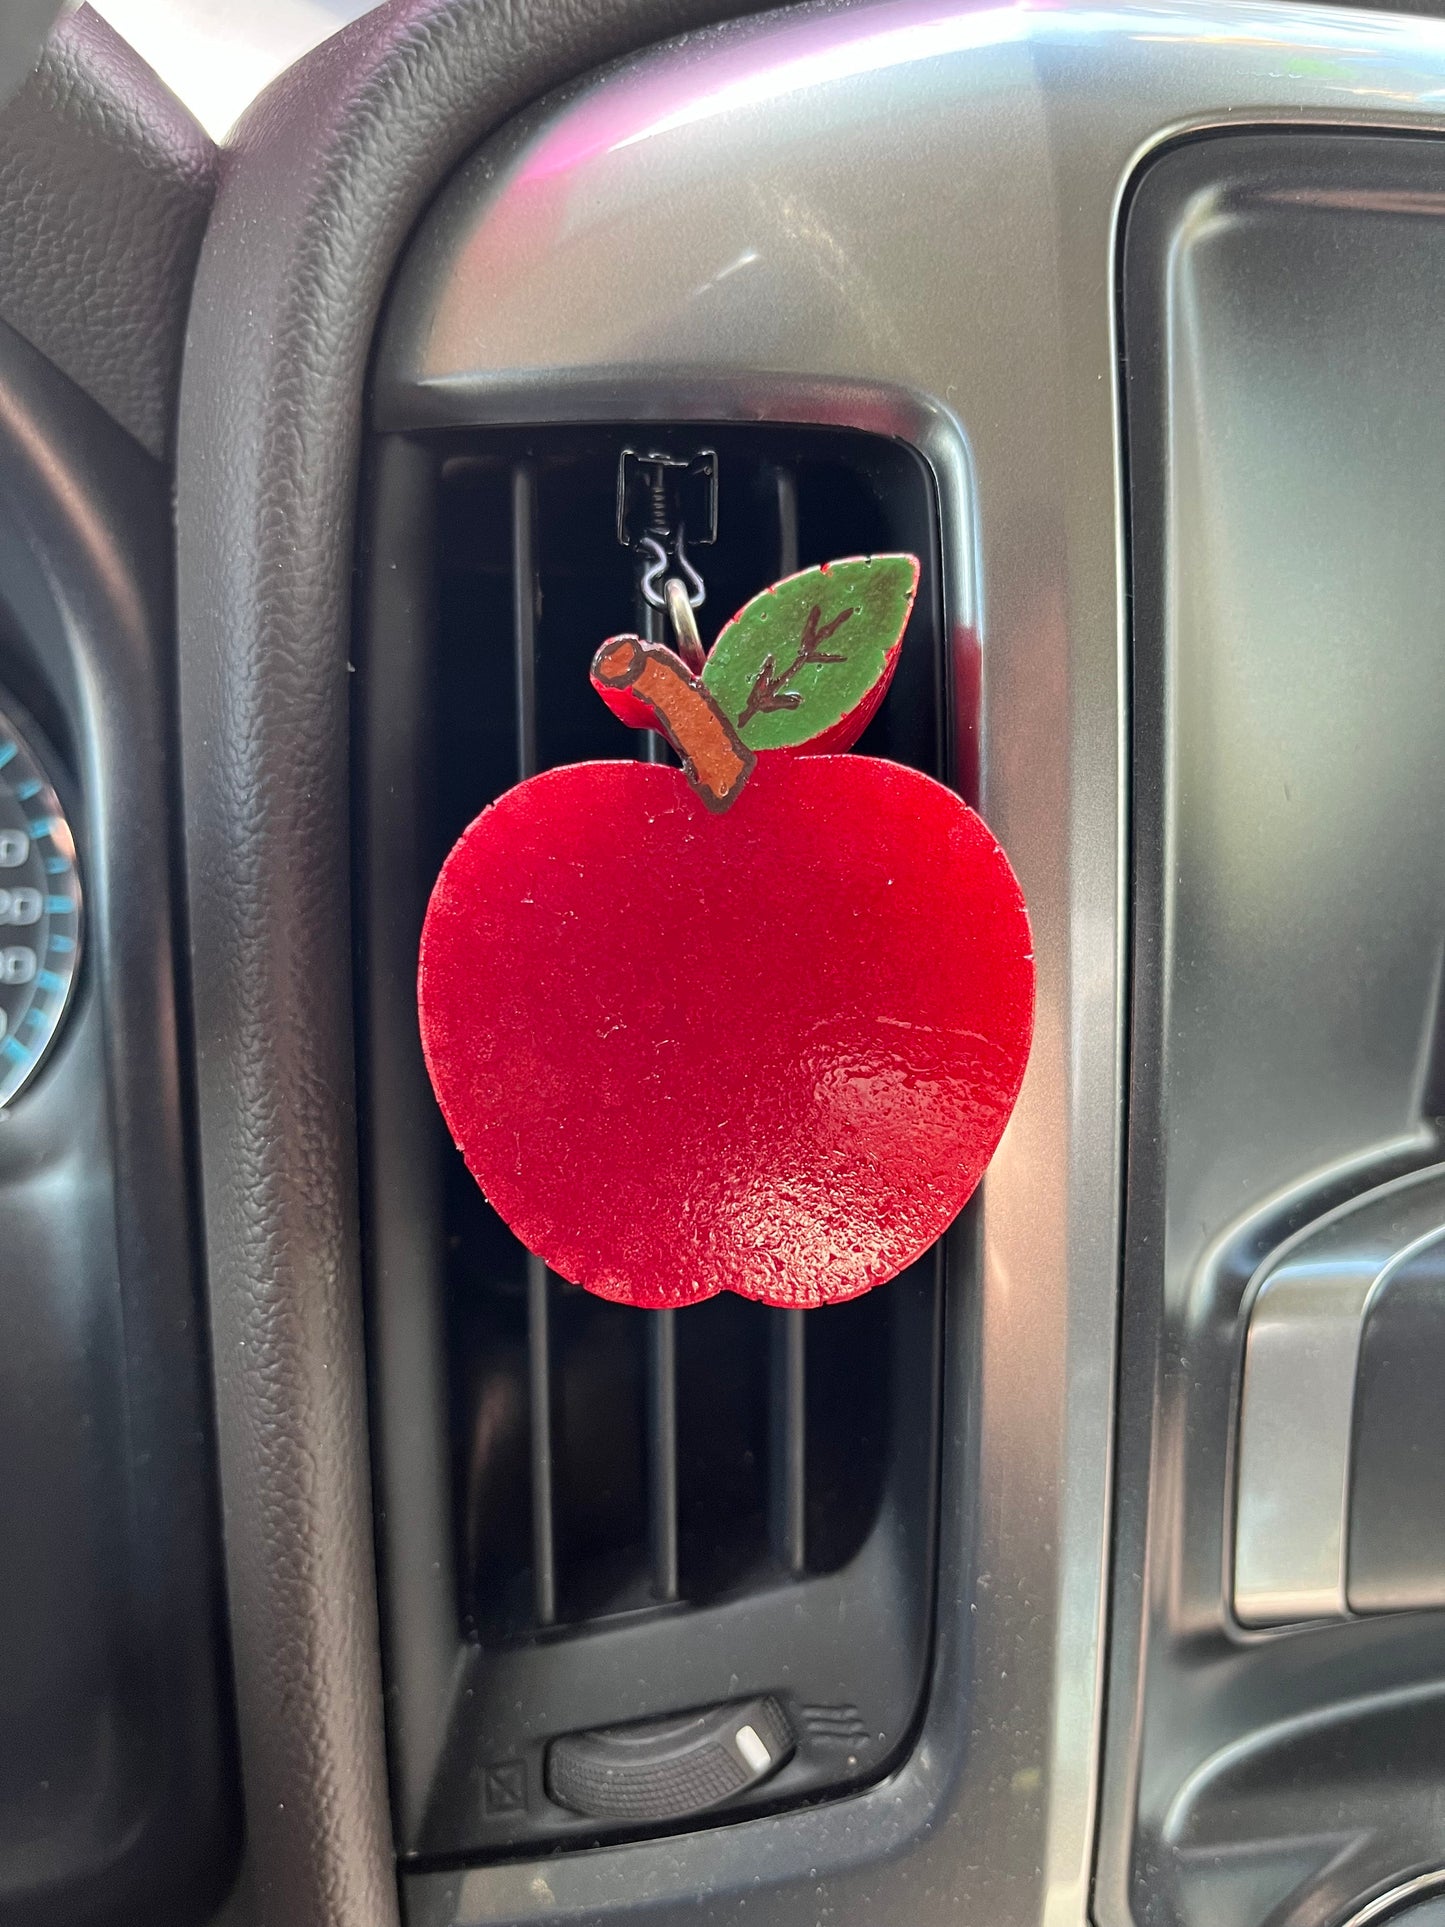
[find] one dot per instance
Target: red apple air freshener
(754, 1024)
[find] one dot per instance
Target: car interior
(512, 1406)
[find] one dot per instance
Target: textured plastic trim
(105, 186)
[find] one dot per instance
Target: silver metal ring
(684, 624)
(1387, 1903)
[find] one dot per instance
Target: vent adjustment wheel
(665, 1769)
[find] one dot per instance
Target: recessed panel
(1284, 324)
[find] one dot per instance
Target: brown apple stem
(714, 760)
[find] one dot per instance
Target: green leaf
(802, 655)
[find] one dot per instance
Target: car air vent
(684, 1560)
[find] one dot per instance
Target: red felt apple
(755, 1024)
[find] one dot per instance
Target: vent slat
(524, 613)
(539, 1383)
(662, 1532)
(662, 1452)
(787, 1441)
(787, 1413)
(785, 482)
(652, 627)
(539, 1346)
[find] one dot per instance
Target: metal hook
(650, 545)
(696, 593)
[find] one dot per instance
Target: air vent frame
(475, 1702)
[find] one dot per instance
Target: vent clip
(660, 498)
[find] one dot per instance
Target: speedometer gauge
(40, 918)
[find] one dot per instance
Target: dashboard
(367, 1570)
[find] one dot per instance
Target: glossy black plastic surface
(116, 1803)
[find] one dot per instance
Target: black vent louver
(650, 1513)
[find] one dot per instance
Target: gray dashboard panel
(904, 216)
